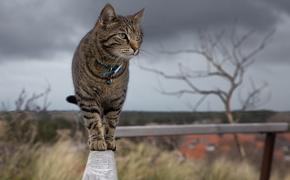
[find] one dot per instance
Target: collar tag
(112, 71)
(109, 81)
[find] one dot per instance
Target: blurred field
(64, 160)
(41, 146)
(142, 118)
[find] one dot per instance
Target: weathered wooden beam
(167, 130)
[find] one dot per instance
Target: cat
(100, 72)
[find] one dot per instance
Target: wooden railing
(270, 129)
(167, 130)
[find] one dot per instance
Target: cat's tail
(71, 99)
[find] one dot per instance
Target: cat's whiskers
(146, 53)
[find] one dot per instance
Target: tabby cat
(100, 73)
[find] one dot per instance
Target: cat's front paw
(98, 145)
(111, 144)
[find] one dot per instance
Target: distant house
(200, 146)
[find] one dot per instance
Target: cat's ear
(138, 16)
(107, 15)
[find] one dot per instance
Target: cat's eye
(138, 38)
(122, 35)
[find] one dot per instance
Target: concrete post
(101, 165)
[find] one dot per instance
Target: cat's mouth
(127, 53)
(136, 52)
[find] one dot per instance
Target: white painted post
(101, 165)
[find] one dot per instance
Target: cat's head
(120, 36)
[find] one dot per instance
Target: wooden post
(101, 165)
(268, 156)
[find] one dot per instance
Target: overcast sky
(38, 38)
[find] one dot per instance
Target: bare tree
(28, 103)
(227, 55)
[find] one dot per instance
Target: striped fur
(113, 41)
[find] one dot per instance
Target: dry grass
(143, 161)
(146, 162)
(223, 169)
(3, 129)
(61, 161)
(17, 165)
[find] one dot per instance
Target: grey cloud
(33, 29)
(190, 15)
(281, 5)
(41, 29)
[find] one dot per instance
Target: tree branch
(252, 99)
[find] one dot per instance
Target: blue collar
(111, 71)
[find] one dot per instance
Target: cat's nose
(134, 46)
